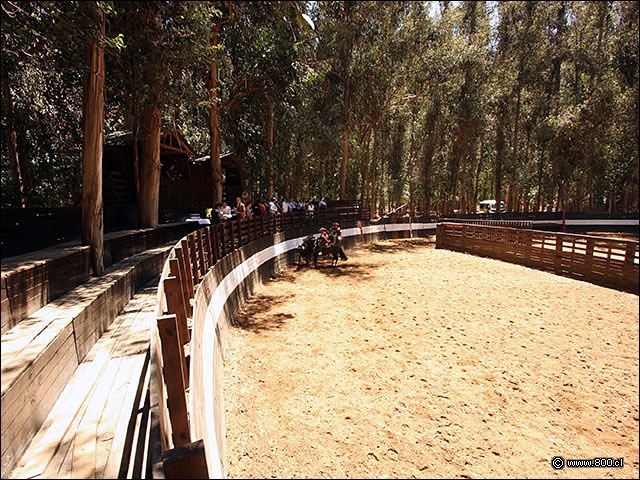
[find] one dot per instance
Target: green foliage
(432, 82)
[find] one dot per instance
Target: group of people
(223, 211)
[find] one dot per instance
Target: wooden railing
(187, 264)
(605, 261)
(494, 223)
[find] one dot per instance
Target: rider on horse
(324, 236)
(336, 234)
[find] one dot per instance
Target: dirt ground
(407, 361)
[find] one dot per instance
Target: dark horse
(322, 248)
(305, 250)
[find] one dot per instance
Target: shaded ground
(407, 361)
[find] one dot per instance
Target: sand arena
(407, 361)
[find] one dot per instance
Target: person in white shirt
(273, 208)
(226, 210)
(285, 207)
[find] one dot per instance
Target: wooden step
(32, 280)
(99, 422)
(41, 353)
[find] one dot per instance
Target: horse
(305, 250)
(322, 248)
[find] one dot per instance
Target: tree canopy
(435, 104)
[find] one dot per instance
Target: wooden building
(201, 179)
(186, 185)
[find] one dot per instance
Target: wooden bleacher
(45, 340)
(98, 426)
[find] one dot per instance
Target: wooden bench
(97, 428)
(32, 280)
(40, 354)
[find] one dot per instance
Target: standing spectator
(249, 210)
(322, 204)
(263, 208)
(285, 207)
(240, 210)
(310, 208)
(257, 209)
(273, 208)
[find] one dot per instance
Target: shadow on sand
(255, 316)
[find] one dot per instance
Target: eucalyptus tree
(41, 103)
(93, 135)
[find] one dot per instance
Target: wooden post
(216, 242)
(558, 258)
(203, 266)
(175, 306)
(187, 461)
(184, 243)
(629, 256)
(173, 360)
(262, 226)
(232, 236)
(182, 256)
(194, 259)
(176, 270)
(207, 234)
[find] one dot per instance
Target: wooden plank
(49, 446)
(198, 240)
(208, 236)
(84, 449)
(174, 369)
(116, 421)
(187, 461)
(176, 271)
(232, 234)
(193, 257)
(27, 419)
(185, 278)
(175, 306)
(184, 244)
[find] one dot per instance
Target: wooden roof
(228, 160)
(169, 140)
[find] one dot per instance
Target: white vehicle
(489, 206)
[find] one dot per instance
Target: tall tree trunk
(150, 164)
(136, 151)
(478, 170)
(364, 170)
(10, 134)
(499, 162)
(213, 85)
(345, 141)
(539, 193)
(374, 162)
(269, 130)
(93, 132)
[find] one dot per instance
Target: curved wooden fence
(189, 262)
(210, 272)
(207, 276)
(494, 223)
(605, 261)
